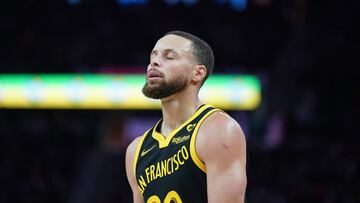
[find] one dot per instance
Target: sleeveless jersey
(168, 170)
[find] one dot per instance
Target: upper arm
(130, 158)
(221, 146)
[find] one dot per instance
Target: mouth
(153, 75)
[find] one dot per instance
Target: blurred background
(302, 138)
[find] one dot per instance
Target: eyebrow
(153, 52)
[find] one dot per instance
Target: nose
(154, 62)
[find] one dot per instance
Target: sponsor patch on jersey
(178, 140)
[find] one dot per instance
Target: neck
(176, 109)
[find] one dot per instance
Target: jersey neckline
(164, 141)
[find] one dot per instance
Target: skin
(220, 142)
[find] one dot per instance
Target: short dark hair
(202, 51)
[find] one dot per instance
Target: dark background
(302, 139)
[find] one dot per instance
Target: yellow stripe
(138, 147)
(164, 142)
(159, 137)
(193, 153)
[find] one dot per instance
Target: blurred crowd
(302, 140)
(62, 156)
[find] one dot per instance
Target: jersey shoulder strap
(197, 124)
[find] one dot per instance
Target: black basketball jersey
(168, 170)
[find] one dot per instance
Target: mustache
(154, 72)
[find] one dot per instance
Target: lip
(153, 74)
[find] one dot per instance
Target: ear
(199, 73)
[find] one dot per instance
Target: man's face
(171, 64)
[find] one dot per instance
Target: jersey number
(171, 197)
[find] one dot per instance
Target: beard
(164, 89)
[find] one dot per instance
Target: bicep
(130, 156)
(224, 155)
(226, 184)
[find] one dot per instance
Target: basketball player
(195, 153)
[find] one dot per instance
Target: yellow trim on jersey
(165, 141)
(193, 153)
(138, 147)
(158, 136)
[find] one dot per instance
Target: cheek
(179, 76)
(178, 70)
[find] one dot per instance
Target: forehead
(173, 42)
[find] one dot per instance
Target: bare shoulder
(220, 133)
(131, 150)
(222, 126)
(129, 162)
